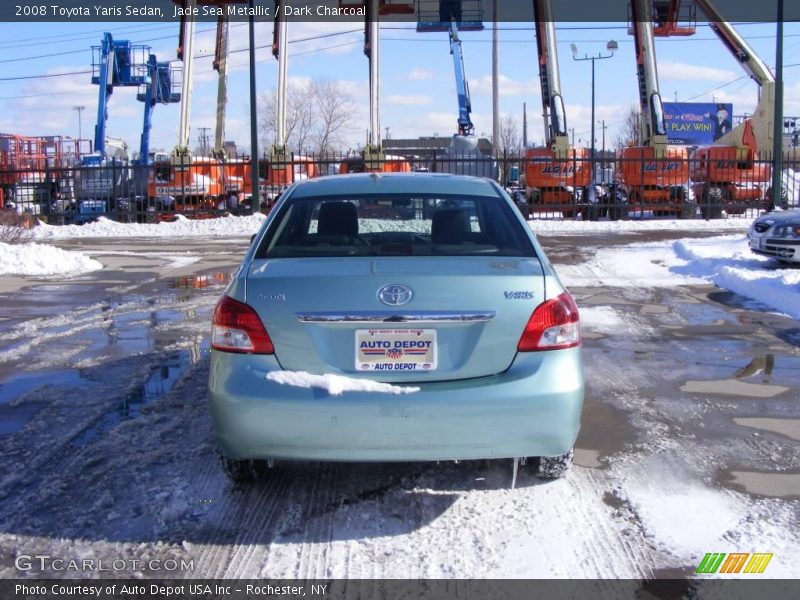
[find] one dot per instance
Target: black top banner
(424, 11)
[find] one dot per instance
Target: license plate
(396, 349)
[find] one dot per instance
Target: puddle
(15, 414)
(733, 387)
(605, 430)
(587, 458)
(788, 427)
(198, 282)
(779, 485)
(654, 309)
(159, 382)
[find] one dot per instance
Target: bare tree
(335, 113)
(299, 116)
(630, 132)
(509, 134)
(318, 113)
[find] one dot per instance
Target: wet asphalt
(716, 368)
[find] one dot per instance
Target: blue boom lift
(102, 181)
(463, 156)
(162, 87)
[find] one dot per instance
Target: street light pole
(611, 47)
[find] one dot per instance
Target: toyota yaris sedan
(395, 317)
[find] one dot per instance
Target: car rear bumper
(532, 409)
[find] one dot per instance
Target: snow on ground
(570, 227)
(41, 259)
(725, 261)
(223, 226)
(729, 263)
(246, 226)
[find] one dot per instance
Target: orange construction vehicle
(37, 170)
(729, 175)
(653, 175)
(556, 176)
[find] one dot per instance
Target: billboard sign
(697, 123)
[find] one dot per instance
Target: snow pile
(727, 262)
(570, 227)
(336, 384)
(41, 259)
(102, 228)
(245, 226)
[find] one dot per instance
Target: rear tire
(554, 467)
(240, 472)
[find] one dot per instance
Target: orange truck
(657, 184)
(556, 184)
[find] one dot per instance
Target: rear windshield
(395, 225)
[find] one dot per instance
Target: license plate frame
(396, 350)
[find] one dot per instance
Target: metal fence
(626, 187)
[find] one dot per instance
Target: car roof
(395, 183)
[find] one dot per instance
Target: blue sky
(417, 82)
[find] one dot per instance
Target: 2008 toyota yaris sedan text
(395, 317)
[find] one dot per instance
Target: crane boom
(653, 132)
(555, 121)
(755, 133)
(279, 51)
(158, 90)
(187, 51)
(465, 126)
(221, 66)
(106, 82)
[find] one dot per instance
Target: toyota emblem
(395, 294)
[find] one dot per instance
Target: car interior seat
(450, 226)
(338, 219)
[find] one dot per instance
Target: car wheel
(239, 471)
(553, 467)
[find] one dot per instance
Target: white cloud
(409, 100)
(506, 86)
(418, 74)
(687, 72)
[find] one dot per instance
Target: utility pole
(777, 141)
(603, 152)
(255, 204)
(387, 132)
(611, 47)
(80, 109)
(524, 125)
(495, 84)
(203, 138)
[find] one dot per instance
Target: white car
(777, 234)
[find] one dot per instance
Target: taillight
(553, 325)
(236, 327)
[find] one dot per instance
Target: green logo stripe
(711, 562)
